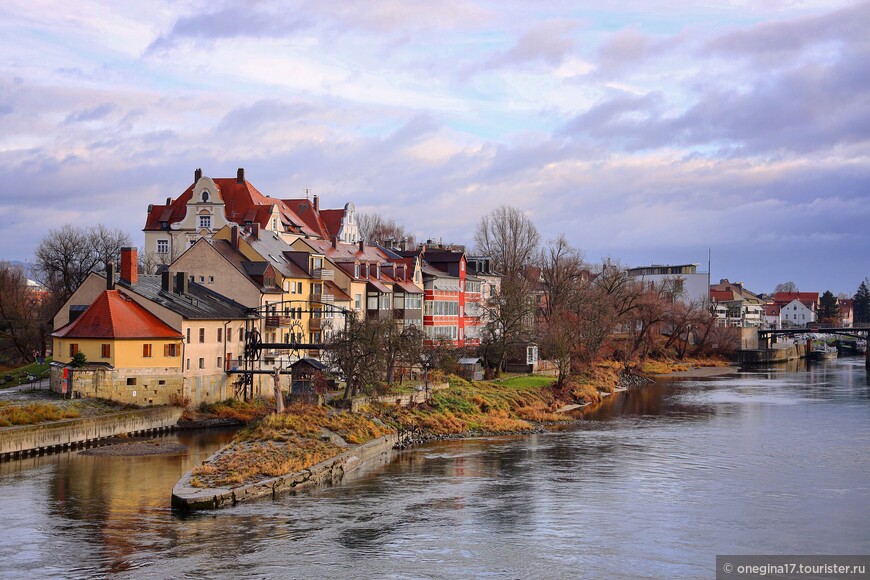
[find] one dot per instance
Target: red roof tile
(114, 315)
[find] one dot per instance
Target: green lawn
(526, 381)
(40, 370)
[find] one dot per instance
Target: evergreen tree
(829, 308)
(861, 302)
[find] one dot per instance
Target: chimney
(129, 265)
(110, 276)
(197, 175)
(255, 231)
(316, 204)
(240, 175)
(234, 237)
(165, 280)
(362, 245)
(181, 283)
(334, 242)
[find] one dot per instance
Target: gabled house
(132, 356)
(735, 306)
(797, 308)
(213, 327)
(209, 204)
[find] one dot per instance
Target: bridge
(765, 335)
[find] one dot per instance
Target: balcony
(323, 274)
(314, 324)
(275, 321)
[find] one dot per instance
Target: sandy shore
(701, 372)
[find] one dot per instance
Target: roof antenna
(307, 191)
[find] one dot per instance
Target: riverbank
(283, 452)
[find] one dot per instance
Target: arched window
(205, 195)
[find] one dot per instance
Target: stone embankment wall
(187, 498)
(771, 355)
(405, 400)
(16, 441)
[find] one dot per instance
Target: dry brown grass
(33, 413)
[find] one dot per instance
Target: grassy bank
(10, 376)
(14, 413)
(668, 366)
(305, 434)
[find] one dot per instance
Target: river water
(652, 484)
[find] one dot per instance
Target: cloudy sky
(647, 132)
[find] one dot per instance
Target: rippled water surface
(652, 484)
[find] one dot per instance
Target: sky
(646, 132)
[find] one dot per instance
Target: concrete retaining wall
(415, 398)
(71, 432)
(771, 355)
(187, 498)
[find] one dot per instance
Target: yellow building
(130, 355)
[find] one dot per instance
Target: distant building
(688, 284)
(797, 308)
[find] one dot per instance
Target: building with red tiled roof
(131, 355)
(209, 204)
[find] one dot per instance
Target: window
(211, 279)
(205, 195)
(205, 221)
(131, 382)
(274, 227)
(162, 246)
(413, 301)
(441, 308)
(229, 334)
(146, 350)
(188, 336)
(356, 270)
(188, 364)
(201, 335)
(73, 349)
(219, 362)
(106, 351)
(202, 279)
(202, 363)
(170, 350)
(357, 301)
(220, 334)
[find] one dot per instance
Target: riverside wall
(771, 355)
(185, 497)
(26, 439)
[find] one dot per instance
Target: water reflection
(653, 482)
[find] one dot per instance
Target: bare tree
(358, 352)
(402, 347)
(510, 316)
(24, 329)
(558, 327)
(65, 257)
(509, 238)
(377, 230)
(786, 287)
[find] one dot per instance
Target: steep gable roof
(115, 315)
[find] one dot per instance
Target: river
(652, 484)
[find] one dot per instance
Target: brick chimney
(234, 237)
(255, 231)
(129, 265)
(362, 245)
(197, 175)
(110, 276)
(316, 204)
(334, 242)
(240, 175)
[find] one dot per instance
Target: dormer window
(205, 195)
(356, 270)
(378, 271)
